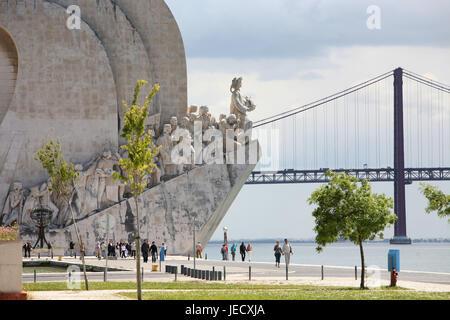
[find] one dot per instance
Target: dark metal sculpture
(41, 216)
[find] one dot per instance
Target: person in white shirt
(287, 251)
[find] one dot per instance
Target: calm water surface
(433, 257)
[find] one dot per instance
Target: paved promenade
(261, 272)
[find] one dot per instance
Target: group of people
(285, 250)
(246, 251)
(152, 250)
(28, 247)
(118, 249)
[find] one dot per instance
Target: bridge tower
(399, 162)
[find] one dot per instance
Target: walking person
(287, 252)
(154, 252)
(25, 249)
(50, 249)
(124, 251)
(103, 248)
(133, 249)
(233, 252)
(71, 248)
(128, 249)
(278, 252)
(223, 251)
(249, 251)
(198, 250)
(243, 250)
(163, 252)
(97, 251)
(111, 249)
(145, 248)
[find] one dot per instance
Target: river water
(433, 257)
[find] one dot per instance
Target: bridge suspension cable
(322, 101)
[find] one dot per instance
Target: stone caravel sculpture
(77, 97)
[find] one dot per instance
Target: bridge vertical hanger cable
(336, 136)
(346, 132)
(294, 120)
(325, 138)
(357, 129)
(430, 131)
(315, 136)
(417, 125)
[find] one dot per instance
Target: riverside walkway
(261, 272)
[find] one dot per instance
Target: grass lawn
(222, 291)
(43, 269)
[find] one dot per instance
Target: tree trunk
(138, 251)
(80, 242)
(363, 267)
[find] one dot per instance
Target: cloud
(300, 29)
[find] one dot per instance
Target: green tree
(63, 177)
(345, 210)
(437, 201)
(138, 165)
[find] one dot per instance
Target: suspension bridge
(392, 128)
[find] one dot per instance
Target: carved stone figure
(166, 143)
(83, 200)
(12, 210)
(45, 200)
(106, 185)
(205, 117)
(174, 123)
(32, 202)
(240, 106)
(192, 109)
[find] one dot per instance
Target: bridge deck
(375, 175)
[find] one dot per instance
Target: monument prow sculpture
(77, 98)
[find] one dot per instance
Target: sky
(293, 52)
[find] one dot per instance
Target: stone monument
(69, 83)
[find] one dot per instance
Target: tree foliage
(138, 164)
(63, 177)
(139, 147)
(62, 173)
(437, 201)
(346, 211)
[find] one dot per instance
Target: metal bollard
(206, 256)
(250, 273)
(105, 275)
(322, 272)
(189, 257)
(35, 276)
(176, 274)
(142, 278)
(224, 273)
(39, 255)
(356, 273)
(287, 272)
